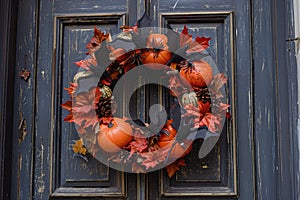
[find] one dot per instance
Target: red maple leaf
(138, 145)
(185, 37)
(152, 159)
(212, 122)
(67, 105)
(196, 113)
(72, 89)
(216, 84)
(129, 28)
(87, 63)
(86, 119)
(198, 45)
(84, 105)
(175, 166)
(96, 41)
(69, 118)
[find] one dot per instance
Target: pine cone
(203, 94)
(105, 108)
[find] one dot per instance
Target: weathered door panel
(76, 176)
(216, 175)
(62, 30)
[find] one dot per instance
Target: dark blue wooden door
(53, 34)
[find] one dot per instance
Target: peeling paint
(43, 74)
(40, 183)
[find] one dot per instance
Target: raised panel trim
(118, 189)
(219, 16)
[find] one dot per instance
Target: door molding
(8, 22)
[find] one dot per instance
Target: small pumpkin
(168, 132)
(156, 59)
(157, 55)
(167, 140)
(199, 74)
(156, 40)
(115, 135)
(189, 98)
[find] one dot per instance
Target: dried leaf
(79, 148)
(25, 74)
(129, 28)
(69, 118)
(72, 89)
(87, 63)
(212, 122)
(175, 166)
(216, 84)
(198, 45)
(152, 159)
(96, 41)
(138, 145)
(67, 105)
(185, 37)
(84, 105)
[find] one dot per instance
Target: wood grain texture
(22, 164)
(265, 101)
(286, 93)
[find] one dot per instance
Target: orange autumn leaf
(139, 144)
(152, 159)
(69, 118)
(67, 105)
(200, 44)
(175, 166)
(72, 89)
(126, 28)
(79, 148)
(83, 108)
(87, 63)
(216, 84)
(185, 37)
(96, 41)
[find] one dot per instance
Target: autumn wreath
(195, 87)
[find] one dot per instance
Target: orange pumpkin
(200, 74)
(114, 136)
(155, 40)
(168, 133)
(157, 55)
(166, 141)
(156, 59)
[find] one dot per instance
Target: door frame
(8, 22)
(279, 74)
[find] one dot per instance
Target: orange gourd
(166, 141)
(200, 74)
(114, 136)
(157, 55)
